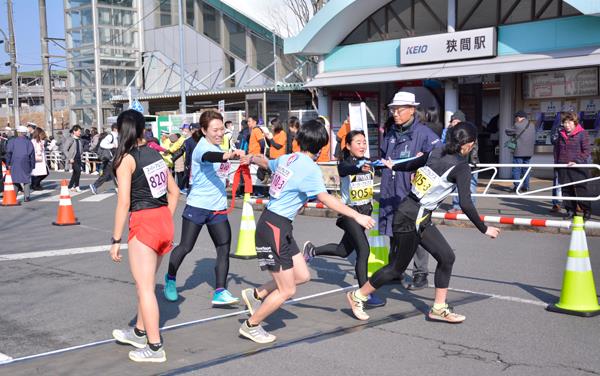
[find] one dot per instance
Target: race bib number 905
(280, 178)
(157, 176)
(361, 191)
(423, 180)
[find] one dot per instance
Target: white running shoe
(256, 333)
(148, 355)
(129, 337)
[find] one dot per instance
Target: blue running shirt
(295, 178)
(208, 179)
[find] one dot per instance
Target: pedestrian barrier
(9, 198)
(66, 214)
(578, 293)
(262, 201)
(533, 222)
(246, 245)
(379, 252)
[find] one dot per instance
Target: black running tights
(354, 239)
(220, 233)
(405, 244)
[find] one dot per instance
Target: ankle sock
(138, 332)
(250, 325)
(439, 306)
(170, 277)
(219, 290)
(360, 296)
(256, 295)
(155, 346)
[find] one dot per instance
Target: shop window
(237, 37)
(211, 23)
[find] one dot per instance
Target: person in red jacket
(572, 147)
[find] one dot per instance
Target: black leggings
(354, 239)
(405, 245)
(220, 233)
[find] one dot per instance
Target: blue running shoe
(375, 301)
(223, 297)
(170, 289)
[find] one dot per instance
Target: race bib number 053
(156, 175)
(280, 178)
(423, 180)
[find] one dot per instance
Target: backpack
(96, 148)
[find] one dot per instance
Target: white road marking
(58, 252)
(57, 197)
(5, 358)
(36, 193)
(500, 297)
(97, 198)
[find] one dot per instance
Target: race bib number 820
(157, 177)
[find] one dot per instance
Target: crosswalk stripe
(5, 358)
(98, 197)
(57, 197)
(36, 193)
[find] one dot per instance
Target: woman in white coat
(40, 171)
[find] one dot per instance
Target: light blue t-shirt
(295, 178)
(208, 179)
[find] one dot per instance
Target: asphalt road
(502, 286)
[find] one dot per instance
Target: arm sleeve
(347, 167)
(213, 157)
(461, 175)
(274, 144)
(413, 164)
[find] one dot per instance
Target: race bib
(425, 178)
(361, 189)
(156, 175)
(223, 171)
(279, 180)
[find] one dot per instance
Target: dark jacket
(20, 157)
(574, 147)
(396, 186)
(189, 145)
(525, 142)
(243, 139)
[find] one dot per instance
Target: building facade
(487, 58)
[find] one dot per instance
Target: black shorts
(275, 244)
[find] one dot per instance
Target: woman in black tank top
(148, 193)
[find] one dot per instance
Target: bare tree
(304, 9)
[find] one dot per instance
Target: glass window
(189, 12)
(472, 14)
(514, 11)
(104, 16)
(264, 55)
(398, 20)
(81, 18)
(237, 37)
(431, 17)
(77, 3)
(121, 3)
(165, 12)
(211, 23)
(108, 77)
(547, 9)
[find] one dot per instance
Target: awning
(502, 64)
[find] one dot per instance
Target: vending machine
(589, 116)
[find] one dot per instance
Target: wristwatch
(115, 241)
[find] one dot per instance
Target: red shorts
(154, 228)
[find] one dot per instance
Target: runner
(438, 173)
(207, 196)
(148, 191)
(296, 178)
(356, 178)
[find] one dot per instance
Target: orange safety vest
(341, 134)
(281, 139)
(254, 144)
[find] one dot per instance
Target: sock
(250, 325)
(138, 332)
(219, 290)
(170, 277)
(439, 306)
(155, 346)
(360, 296)
(256, 295)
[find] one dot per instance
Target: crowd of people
(421, 165)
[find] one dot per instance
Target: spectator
(522, 133)
(292, 145)
(279, 140)
(432, 119)
(227, 143)
(456, 118)
(31, 127)
(573, 147)
(325, 150)
(256, 143)
(178, 162)
(40, 171)
(73, 151)
(243, 137)
(20, 158)
(340, 138)
(106, 153)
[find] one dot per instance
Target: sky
(270, 13)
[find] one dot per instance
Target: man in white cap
(404, 136)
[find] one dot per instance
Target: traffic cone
(378, 255)
(246, 246)
(578, 294)
(9, 198)
(66, 215)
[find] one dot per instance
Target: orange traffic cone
(9, 197)
(66, 215)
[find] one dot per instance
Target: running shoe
(374, 301)
(357, 305)
(308, 251)
(252, 303)
(146, 354)
(445, 314)
(129, 337)
(256, 333)
(93, 189)
(223, 297)
(170, 289)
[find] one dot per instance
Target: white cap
(22, 129)
(9, 129)
(404, 98)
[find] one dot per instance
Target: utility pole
(13, 64)
(46, 80)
